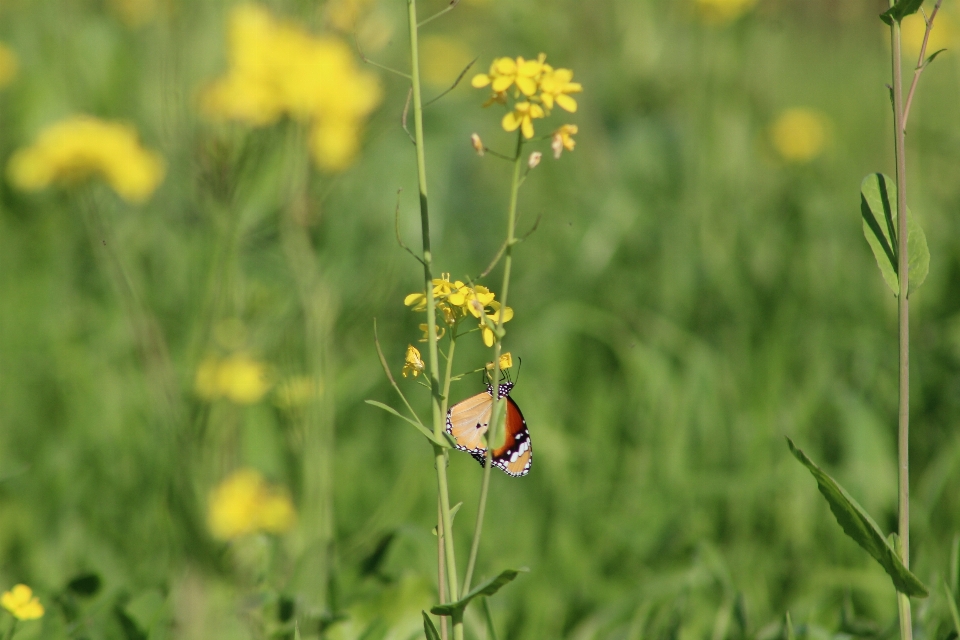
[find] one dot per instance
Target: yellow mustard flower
(485, 331)
(80, 147)
(799, 134)
(297, 391)
(507, 72)
(522, 117)
(238, 378)
(21, 603)
(441, 331)
(245, 503)
(278, 69)
(563, 139)
(556, 85)
(720, 12)
(9, 65)
(506, 362)
(413, 363)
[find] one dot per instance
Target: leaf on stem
(422, 429)
(932, 56)
(453, 514)
(429, 630)
(858, 525)
(487, 588)
(878, 208)
(900, 10)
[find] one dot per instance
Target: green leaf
(453, 514)
(487, 588)
(878, 208)
(932, 56)
(86, 584)
(900, 10)
(858, 524)
(422, 429)
(428, 629)
(789, 624)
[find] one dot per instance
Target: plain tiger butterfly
(467, 422)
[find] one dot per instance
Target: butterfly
(467, 422)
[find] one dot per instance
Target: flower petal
(480, 80)
(511, 121)
(567, 103)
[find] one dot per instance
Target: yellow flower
(238, 378)
(80, 147)
(278, 69)
(297, 392)
(522, 117)
(441, 331)
(555, 86)
(9, 65)
(723, 11)
(799, 134)
(413, 362)
(506, 362)
(21, 603)
(244, 503)
(563, 139)
(942, 36)
(505, 72)
(485, 331)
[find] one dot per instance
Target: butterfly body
(468, 421)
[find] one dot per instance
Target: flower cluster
(413, 362)
(456, 301)
(21, 603)
(238, 378)
(244, 503)
(80, 147)
(537, 88)
(279, 69)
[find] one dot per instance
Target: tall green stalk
(903, 432)
(496, 422)
(432, 350)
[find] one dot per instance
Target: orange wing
(515, 457)
(468, 421)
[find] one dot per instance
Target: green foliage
(900, 10)
(858, 524)
(485, 588)
(878, 208)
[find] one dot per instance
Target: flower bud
(477, 144)
(534, 159)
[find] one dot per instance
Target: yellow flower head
(522, 117)
(556, 85)
(799, 134)
(279, 69)
(81, 147)
(507, 72)
(244, 503)
(506, 362)
(238, 378)
(9, 65)
(494, 317)
(720, 12)
(21, 603)
(563, 139)
(413, 363)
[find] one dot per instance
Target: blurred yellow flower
(486, 332)
(556, 85)
(505, 72)
(344, 15)
(277, 69)
(799, 134)
(21, 603)
(297, 391)
(563, 139)
(912, 28)
(244, 503)
(723, 11)
(238, 378)
(442, 59)
(522, 118)
(9, 65)
(506, 362)
(413, 363)
(80, 147)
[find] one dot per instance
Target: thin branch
(503, 247)
(363, 57)
(396, 228)
(403, 117)
(497, 154)
(453, 5)
(454, 85)
(921, 63)
(386, 370)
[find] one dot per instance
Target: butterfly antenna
(519, 364)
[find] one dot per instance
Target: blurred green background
(693, 294)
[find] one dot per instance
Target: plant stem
(496, 424)
(432, 351)
(903, 434)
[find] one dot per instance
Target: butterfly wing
(515, 457)
(467, 422)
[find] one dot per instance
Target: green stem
(13, 628)
(496, 424)
(903, 431)
(432, 351)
